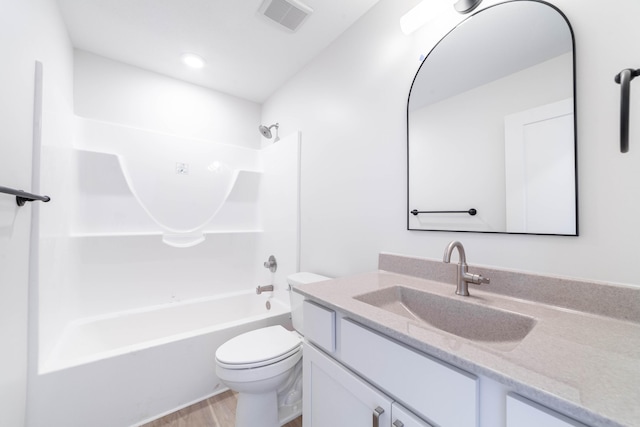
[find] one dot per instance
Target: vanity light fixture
(192, 60)
(466, 6)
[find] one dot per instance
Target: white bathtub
(131, 367)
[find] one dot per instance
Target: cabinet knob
(398, 423)
(376, 416)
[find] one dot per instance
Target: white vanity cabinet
(319, 325)
(401, 417)
(354, 376)
(333, 396)
(522, 412)
(441, 393)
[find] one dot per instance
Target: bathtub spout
(261, 289)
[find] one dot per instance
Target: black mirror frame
(409, 210)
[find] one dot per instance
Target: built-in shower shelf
(107, 205)
(156, 233)
(107, 201)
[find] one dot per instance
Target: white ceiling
(246, 54)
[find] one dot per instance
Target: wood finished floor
(216, 411)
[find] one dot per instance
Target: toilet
(265, 367)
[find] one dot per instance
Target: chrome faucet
(266, 288)
(463, 277)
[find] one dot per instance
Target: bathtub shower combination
(150, 263)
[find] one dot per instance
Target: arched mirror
(491, 126)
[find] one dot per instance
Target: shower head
(266, 131)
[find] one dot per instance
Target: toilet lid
(258, 347)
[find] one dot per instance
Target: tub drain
(268, 305)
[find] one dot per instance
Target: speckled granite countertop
(582, 357)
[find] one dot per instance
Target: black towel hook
(623, 78)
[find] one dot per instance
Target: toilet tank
(294, 280)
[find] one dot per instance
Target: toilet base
(289, 413)
(257, 410)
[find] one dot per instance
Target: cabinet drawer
(319, 325)
(441, 393)
(401, 417)
(522, 412)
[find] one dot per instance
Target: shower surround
(148, 260)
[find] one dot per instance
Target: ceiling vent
(289, 14)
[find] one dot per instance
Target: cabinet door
(522, 412)
(400, 417)
(333, 396)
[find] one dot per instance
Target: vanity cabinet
(446, 395)
(350, 371)
(522, 412)
(401, 417)
(333, 396)
(319, 325)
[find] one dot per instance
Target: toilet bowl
(265, 367)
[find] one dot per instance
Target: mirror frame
(575, 126)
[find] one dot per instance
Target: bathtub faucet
(261, 289)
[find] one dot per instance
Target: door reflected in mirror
(491, 126)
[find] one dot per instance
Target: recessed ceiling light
(192, 60)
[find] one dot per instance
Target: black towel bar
(470, 212)
(22, 196)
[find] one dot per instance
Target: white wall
(350, 104)
(29, 31)
(119, 93)
(279, 203)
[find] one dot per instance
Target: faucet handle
(478, 279)
(271, 264)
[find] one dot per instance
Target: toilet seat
(238, 378)
(257, 348)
